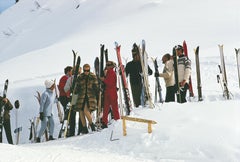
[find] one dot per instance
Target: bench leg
(149, 127)
(124, 127)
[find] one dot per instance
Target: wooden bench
(149, 122)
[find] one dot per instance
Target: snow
(36, 39)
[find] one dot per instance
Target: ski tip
(116, 44)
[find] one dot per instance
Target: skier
(168, 75)
(68, 88)
(46, 106)
(134, 69)
(87, 91)
(184, 72)
(110, 93)
(64, 97)
(6, 117)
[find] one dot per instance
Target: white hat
(48, 83)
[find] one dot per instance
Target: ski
(238, 63)
(158, 87)
(199, 84)
(2, 109)
(146, 96)
(125, 89)
(60, 113)
(175, 59)
(224, 74)
(99, 99)
(18, 129)
(74, 58)
(73, 95)
(106, 55)
(185, 51)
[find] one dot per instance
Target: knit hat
(177, 47)
(135, 50)
(49, 83)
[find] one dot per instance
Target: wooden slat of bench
(138, 119)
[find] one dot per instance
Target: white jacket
(168, 73)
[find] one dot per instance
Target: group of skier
(86, 92)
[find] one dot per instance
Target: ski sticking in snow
(125, 89)
(158, 88)
(18, 129)
(73, 95)
(199, 84)
(146, 96)
(238, 63)
(224, 74)
(191, 94)
(2, 109)
(175, 65)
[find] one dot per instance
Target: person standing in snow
(87, 90)
(110, 93)
(168, 75)
(184, 72)
(46, 105)
(6, 118)
(72, 121)
(134, 69)
(64, 97)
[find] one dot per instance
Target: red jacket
(111, 82)
(61, 85)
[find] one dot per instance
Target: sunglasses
(88, 70)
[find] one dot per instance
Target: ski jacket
(184, 68)
(110, 82)
(46, 103)
(68, 85)
(62, 83)
(8, 106)
(87, 88)
(134, 69)
(168, 73)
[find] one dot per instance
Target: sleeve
(127, 69)
(67, 86)
(9, 105)
(188, 69)
(43, 101)
(149, 71)
(168, 70)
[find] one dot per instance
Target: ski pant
(181, 98)
(110, 99)
(7, 128)
(44, 123)
(136, 93)
(64, 100)
(170, 94)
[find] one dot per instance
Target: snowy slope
(36, 39)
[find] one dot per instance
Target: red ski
(185, 50)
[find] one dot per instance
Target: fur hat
(49, 83)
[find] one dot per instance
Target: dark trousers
(170, 94)
(181, 97)
(7, 128)
(64, 100)
(136, 93)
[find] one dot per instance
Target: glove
(156, 74)
(41, 116)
